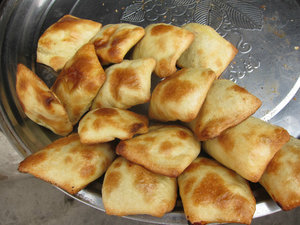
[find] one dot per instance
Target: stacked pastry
(154, 159)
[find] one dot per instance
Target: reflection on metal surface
(284, 102)
(263, 208)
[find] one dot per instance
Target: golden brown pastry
(106, 124)
(248, 147)
(128, 83)
(211, 193)
(226, 105)
(61, 40)
(113, 41)
(180, 96)
(165, 149)
(208, 50)
(130, 189)
(69, 164)
(39, 103)
(165, 43)
(281, 178)
(79, 82)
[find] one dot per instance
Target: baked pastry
(208, 50)
(130, 189)
(248, 147)
(226, 105)
(79, 82)
(128, 83)
(165, 149)
(113, 41)
(106, 124)
(61, 40)
(69, 164)
(281, 178)
(165, 43)
(39, 103)
(180, 96)
(211, 193)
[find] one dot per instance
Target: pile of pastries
(189, 109)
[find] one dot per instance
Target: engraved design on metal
(246, 62)
(227, 17)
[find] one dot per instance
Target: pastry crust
(180, 96)
(211, 193)
(208, 50)
(128, 83)
(226, 105)
(130, 189)
(113, 41)
(248, 147)
(106, 124)
(61, 40)
(79, 82)
(39, 103)
(165, 149)
(165, 43)
(281, 178)
(69, 164)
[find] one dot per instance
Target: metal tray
(266, 33)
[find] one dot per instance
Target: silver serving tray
(266, 33)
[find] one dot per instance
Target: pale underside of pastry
(128, 83)
(79, 82)
(39, 103)
(106, 124)
(61, 40)
(180, 96)
(282, 176)
(130, 189)
(165, 43)
(208, 50)
(69, 164)
(113, 41)
(226, 105)
(211, 193)
(166, 150)
(248, 147)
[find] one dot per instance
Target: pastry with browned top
(226, 105)
(62, 39)
(248, 147)
(165, 43)
(211, 193)
(69, 164)
(113, 41)
(39, 103)
(208, 50)
(180, 96)
(130, 189)
(79, 82)
(106, 124)
(282, 176)
(165, 149)
(128, 83)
